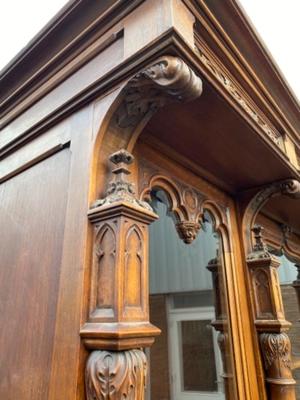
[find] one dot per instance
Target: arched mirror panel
(192, 358)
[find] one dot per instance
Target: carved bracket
(165, 81)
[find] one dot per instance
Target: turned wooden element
(118, 324)
(270, 320)
(220, 324)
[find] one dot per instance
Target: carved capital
(188, 231)
(167, 80)
(276, 351)
(116, 375)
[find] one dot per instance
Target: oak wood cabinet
(111, 103)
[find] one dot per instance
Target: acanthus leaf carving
(167, 80)
(276, 349)
(116, 375)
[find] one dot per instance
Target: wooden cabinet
(112, 103)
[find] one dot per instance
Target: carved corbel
(169, 79)
(270, 319)
(118, 323)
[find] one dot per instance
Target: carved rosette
(116, 375)
(168, 80)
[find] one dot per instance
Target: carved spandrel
(116, 375)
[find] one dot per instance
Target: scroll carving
(116, 375)
(167, 80)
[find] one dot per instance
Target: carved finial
(258, 237)
(260, 249)
(120, 189)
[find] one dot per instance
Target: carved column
(118, 325)
(220, 324)
(270, 320)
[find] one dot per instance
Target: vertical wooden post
(270, 320)
(118, 326)
(220, 324)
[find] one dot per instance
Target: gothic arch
(164, 81)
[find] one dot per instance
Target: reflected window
(187, 302)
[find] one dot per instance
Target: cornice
(65, 55)
(223, 76)
(224, 47)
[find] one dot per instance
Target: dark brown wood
(187, 87)
(33, 205)
(270, 320)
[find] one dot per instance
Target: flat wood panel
(32, 214)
